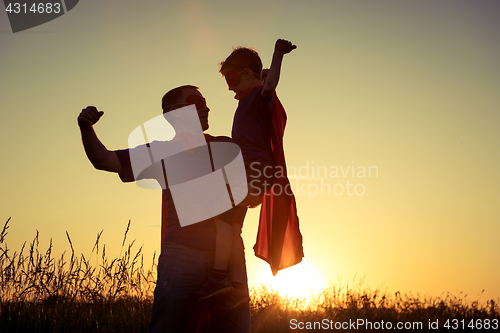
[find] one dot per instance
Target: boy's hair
(174, 96)
(241, 58)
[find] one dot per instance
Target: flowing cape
(279, 241)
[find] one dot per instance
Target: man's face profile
(199, 102)
(193, 96)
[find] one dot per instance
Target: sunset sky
(408, 90)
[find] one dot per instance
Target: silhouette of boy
(253, 130)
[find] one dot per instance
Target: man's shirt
(199, 235)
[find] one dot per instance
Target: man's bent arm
(100, 157)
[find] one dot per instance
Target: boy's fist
(283, 46)
(89, 116)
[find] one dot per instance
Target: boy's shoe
(213, 286)
(236, 297)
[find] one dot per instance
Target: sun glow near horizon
(300, 281)
(408, 88)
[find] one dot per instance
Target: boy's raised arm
(281, 48)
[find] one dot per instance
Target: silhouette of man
(187, 254)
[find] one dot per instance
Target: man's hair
(174, 96)
(241, 58)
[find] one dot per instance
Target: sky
(392, 140)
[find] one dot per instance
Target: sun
(300, 281)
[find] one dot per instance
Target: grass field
(39, 293)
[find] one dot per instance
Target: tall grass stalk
(39, 293)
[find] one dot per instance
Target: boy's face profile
(233, 78)
(240, 81)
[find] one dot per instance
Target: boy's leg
(230, 312)
(218, 281)
(236, 320)
(238, 296)
(260, 178)
(252, 200)
(223, 244)
(236, 267)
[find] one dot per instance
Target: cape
(279, 241)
